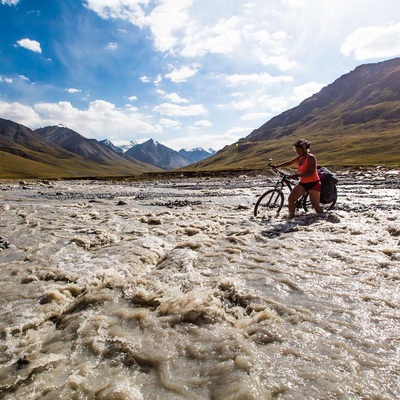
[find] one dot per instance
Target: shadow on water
(276, 229)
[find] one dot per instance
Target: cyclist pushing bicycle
(307, 172)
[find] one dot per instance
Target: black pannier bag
(328, 185)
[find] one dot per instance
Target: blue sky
(186, 73)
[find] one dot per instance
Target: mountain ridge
(155, 153)
(353, 121)
(29, 154)
(44, 151)
(169, 159)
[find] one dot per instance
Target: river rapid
(171, 290)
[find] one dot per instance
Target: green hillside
(355, 121)
(334, 150)
(15, 167)
(26, 154)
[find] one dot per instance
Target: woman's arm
(287, 163)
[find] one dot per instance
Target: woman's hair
(305, 144)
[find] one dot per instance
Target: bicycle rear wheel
(269, 203)
(325, 206)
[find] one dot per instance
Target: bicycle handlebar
(278, 171)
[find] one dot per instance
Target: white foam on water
(182, 294)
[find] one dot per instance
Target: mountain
(148, 151)
(110, 145)
(152, 152)
(30, 154)
(120, 148)
(196, 154)
(76, 143)
(92, 150)
(353, 121)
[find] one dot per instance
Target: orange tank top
(303, 168)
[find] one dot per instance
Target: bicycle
(271, 201)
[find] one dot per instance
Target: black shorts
(316, 185)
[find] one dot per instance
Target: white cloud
(222, 38)
(10, 2)
(373, 42)
(130, 10)
(173, 97)
(145, 79)
(302, 92)
(176, 26)
(31, 45)
(282, 62)
(205, 123)
(242, 105)
(253, 116)
(182, 74)
(112, 46)
(295, 3)
(170, 123)
(101, 119)
(269, 48)
(262, 79)
(130, 108)
(167, 21)
(158, 80)
(273, 104)
(20, 113)
(72, 90)
(184, 111)
(132, 98)
(5, 79)
(215, 140)
(24, 78)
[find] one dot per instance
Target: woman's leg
(294, 195)
(314, 198)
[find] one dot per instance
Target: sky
(186, 73)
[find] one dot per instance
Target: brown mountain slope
(26, 154)
(155, 153)
(353, 121)
(90, 149)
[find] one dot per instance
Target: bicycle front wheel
(269, 203)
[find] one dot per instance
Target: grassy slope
(334, 149)
(15, 167)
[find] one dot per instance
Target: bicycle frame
(274, 198)
(284, 181)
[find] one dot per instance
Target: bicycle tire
(326, 206)
(269, 202)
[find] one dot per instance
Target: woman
(307, 172)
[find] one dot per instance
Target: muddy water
(172, 290)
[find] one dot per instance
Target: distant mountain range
(150, 152)
(154, 153)
(57, 151)
(353, 121)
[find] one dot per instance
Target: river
(172, 289)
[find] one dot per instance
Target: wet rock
(334, 218)
(22, 362)
(178, 203)
(4, 243)
(151, 220)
